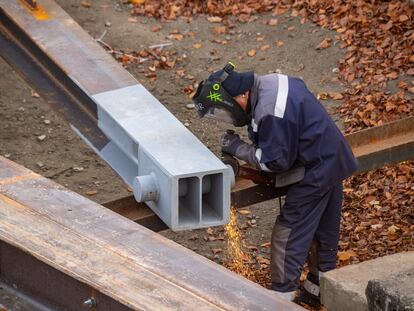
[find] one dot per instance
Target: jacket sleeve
(278, 141)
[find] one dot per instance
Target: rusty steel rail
(373, 147)
(385, 144)
(66, 252)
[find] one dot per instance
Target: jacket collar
(254, 95)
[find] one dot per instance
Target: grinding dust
(236, 259)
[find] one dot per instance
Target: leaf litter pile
(378, 39)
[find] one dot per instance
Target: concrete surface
(392, 293)
(344, 289)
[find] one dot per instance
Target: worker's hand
(229, 143)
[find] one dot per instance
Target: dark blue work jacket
(290, 128)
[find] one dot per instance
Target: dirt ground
(63, 157)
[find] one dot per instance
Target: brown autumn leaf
(392, 75)
(273, 22)
(280, 10)
(210, 231)
(267, 244)
(336, 95)
(263, 260)
(91, 192)
(137, 2)
(244, 212)
(214, 19)
(132, 20)
(86, 4)
(265, 47)
(216, 250)
(251, 53)
(403, 18)
(197, 45)
(220, 30)
(177, 36)
(324, 44)
(280, 43)
(345, 256)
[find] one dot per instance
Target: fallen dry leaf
(273, 22)
(267, 244)
(265, 47)
(251, 53)
(244, 212)
(86, 4)
(177, 36)
(393, 75)
(280, 43)
(344, 256)
(324, 44)
(91, 192)
(197, 45)
(263, 260)
(220, 30)
(214, 19)
(336, 95)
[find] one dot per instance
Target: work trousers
(305, 221)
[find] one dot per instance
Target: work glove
(230, 142)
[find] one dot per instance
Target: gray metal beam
(167, 167)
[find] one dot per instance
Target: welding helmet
(214, 97)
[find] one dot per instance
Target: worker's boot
(309, 292)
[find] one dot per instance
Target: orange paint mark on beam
(16, 179)
(10, 202)
(35, 9)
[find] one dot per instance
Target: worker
(288, 128)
